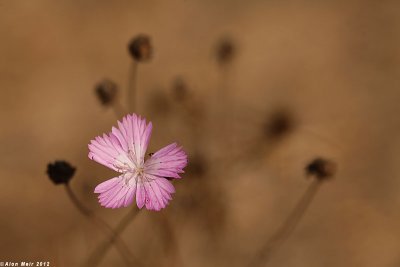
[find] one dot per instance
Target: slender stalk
(281, 235)
(85, 211)
(132, 83)
(120, 245)
(169, 239)
(224, 102)
(101, 250)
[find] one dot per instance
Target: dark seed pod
(60, 172)
(278, 125)
(140, 48)
(225, 51)
(106, 92)
(321, 168)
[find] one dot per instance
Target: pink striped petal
(107, 150)
(140, 195)
(165, 185)
(152, 202)
(125, 146)
(115, 193)
(107, 185)
(167, 162)
(136, 134)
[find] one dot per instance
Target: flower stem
(132, 91)
(170, 241)
(101, 250)
(120, 245)
(287, 227)
(85, 211)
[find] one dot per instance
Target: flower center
(139, 171)
(134, 175)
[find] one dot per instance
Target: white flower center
(133, 171)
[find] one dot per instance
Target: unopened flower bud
(106, 92)
(60, 172)
(278, 125)
(321, 168)
(140, 48)
(225, 51)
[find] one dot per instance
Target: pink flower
(124, 150)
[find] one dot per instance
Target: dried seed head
(106, 92)
(179, 89)
(140, 48)
(225, 51)
(60, 172)
(321, 168)
(278, 125)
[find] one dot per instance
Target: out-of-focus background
(329, 68)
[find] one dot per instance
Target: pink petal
(131, 136)
(137, 134)
(167, 162)
(129, 196)
(108, 151)
(165, 185)
(153, 202)
(107, 185)
(162, 197)
(114, 193)
(109, 198)
(140, 195)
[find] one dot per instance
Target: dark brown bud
(60, 172)
(279, 124)
(140, 48)
(106, 92)
(321, 168)
(225, 51)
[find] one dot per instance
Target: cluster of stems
(263, 254)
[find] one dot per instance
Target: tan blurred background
(334, 65)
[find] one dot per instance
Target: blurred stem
(225, 105)
(132, 84)
(85, 211)
(189, 112)
(223, 84)
(101, 250)
(169, 240)
(287, 227)
(120, 245)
